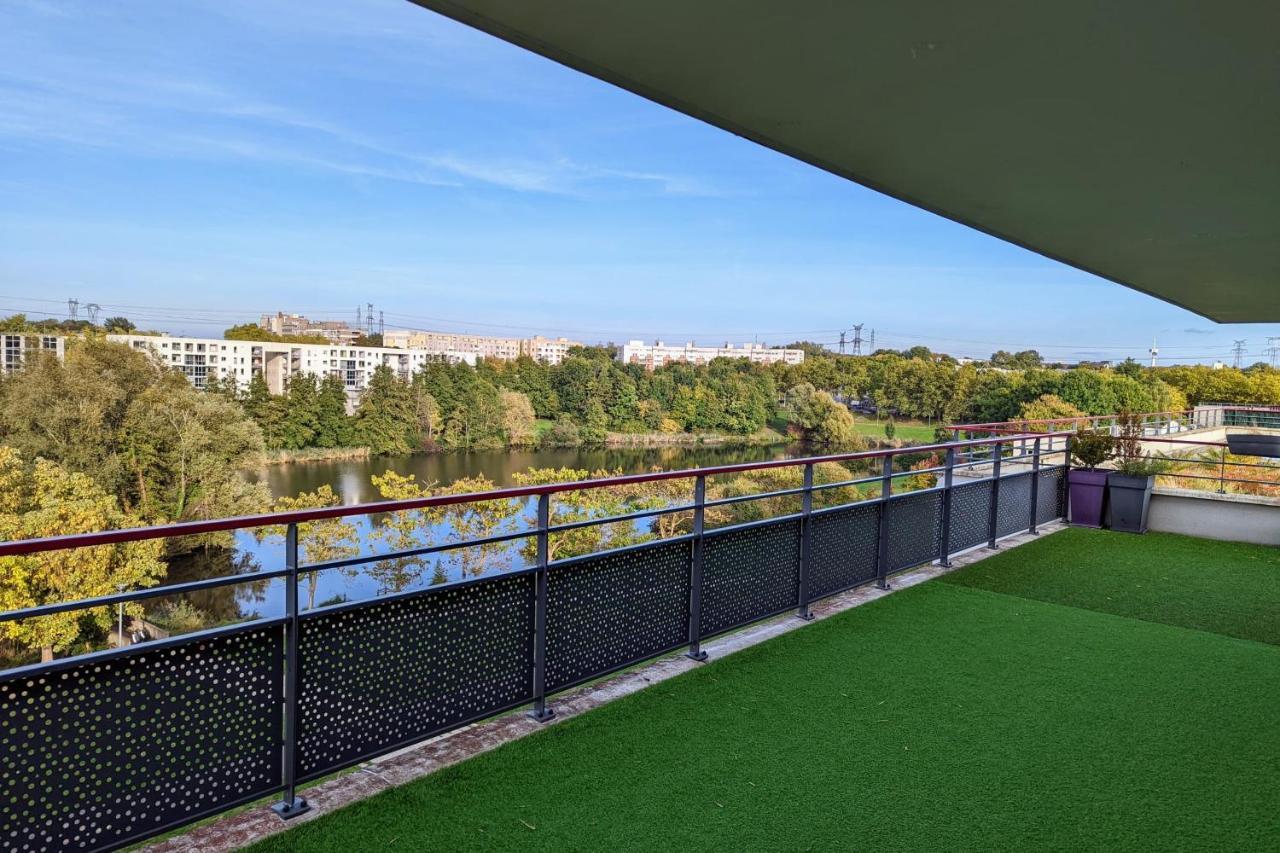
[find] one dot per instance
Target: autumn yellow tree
(40, 499)
(318, 541)
(568, 507)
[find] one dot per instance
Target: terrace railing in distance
(112, 747)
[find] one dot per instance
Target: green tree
(334, 427)
(386, 419)
(517, 418)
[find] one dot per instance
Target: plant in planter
(1087, 483)
(1129, 486)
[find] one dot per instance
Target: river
(351, 479)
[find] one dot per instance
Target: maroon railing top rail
(1026, 422)
(194, 528)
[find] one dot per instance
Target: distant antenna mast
(1155, 351)
(73, 309)
(1237, 351)
(857, 338)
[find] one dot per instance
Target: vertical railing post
(1064, 495)
(806, 543)
(695, 570)
(993, 518)
(540, 711)
(291, 805)
(1035, 485)
(882, 537)
(1222, 474)
(944, 547)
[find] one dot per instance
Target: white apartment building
(206, 359)
(16, 347)
(658, 354)
(551, 351)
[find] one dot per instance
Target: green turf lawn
(945, 716)
(1225, 587)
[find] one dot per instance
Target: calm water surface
(350, 478)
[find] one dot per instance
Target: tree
(254, 332)
(386, 418)
(334, 427)
(139, 430)
(573, 506)
(517, 418)
(318, 541)
(45, 499)
(1049, 407)
(821, 419)
(890, 429)
(184, 451)
(119, 325)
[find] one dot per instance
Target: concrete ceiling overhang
(1136, 141)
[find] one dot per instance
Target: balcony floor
(1033, 700)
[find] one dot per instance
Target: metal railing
(111, 747)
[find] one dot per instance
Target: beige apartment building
(16, 348)
(551, 351)
(336, 331)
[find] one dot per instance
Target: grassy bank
(905, 430)
(313, 454)
(665, 439)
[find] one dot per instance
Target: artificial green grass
(1225, 587)
(941, 717)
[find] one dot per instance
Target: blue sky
(194, 163)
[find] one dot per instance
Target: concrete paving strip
(398, 768)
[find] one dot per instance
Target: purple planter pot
(1088, 488)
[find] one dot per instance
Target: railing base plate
(700, 657)
(546, 715)
(291, 809)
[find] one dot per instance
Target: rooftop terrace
(1089, 690)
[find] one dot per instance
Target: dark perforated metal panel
(1014, 513)
(105, 752)
(749, 573)
(394, 671)
(844, 548)
(915, 529)
(970, 515)
(616, 609)
(1051, 499)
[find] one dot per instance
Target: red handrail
(192, 528)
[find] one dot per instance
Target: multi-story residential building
(336, 331)
(207, 359)
(483, 346)
(658, 354)
(16, 347)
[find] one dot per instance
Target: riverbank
(313, 454)
(761, 438)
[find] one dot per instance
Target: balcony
(1032, 671)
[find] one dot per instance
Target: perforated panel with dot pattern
(749, 573)
(102, 753)
(616, 609)
(403, 669)
(915, 529)
(844, 548)
(970, 515)
(1014, 513)
(1051, 499)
